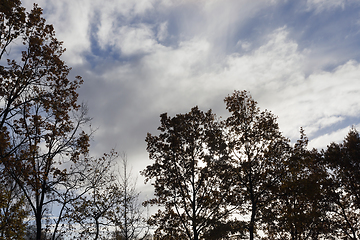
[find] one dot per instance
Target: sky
(300, 59)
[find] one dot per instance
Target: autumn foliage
(213, 178)
(240, 178)
(44, 150)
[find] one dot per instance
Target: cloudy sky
(299, 59)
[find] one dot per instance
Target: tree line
(240, 178)
(213, 178)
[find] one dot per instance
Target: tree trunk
(97, 229)
(38, 225)
(252, 222)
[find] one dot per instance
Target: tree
(12, 16)
(12, 210)
(343, 162)
(257, 151)
(41, 137)
(300, 210)
(38, 76)
(95, 209)
(130, 222)
(186, 174)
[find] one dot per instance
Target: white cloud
(172, 74)
(274, 73)
(328, 121)
(179, 78)
(272, 66)
(110, 9)
(321, 98)
(135, 40)
(71, 21)
(337, 136)
(115, 16)
(110, 21)
(162, 31)
(245, 45)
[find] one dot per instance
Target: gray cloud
(142, 58)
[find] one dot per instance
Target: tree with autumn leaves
(299, 209)
(343, 164)
(44, 150)
(241, 178)
(207, 171)
(187, 153)
(257, 151)
(50, 185)
(37, 100)
(12, 209)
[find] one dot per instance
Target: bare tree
(130, 222)
(93, 211)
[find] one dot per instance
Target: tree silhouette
(343, 162)
(257, 151)
(300, 210)
(187, 155)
